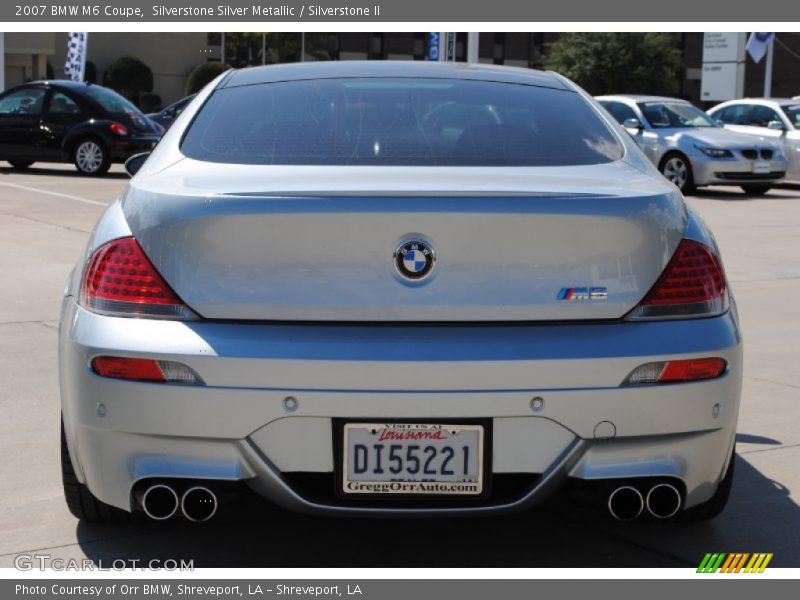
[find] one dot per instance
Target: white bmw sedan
(362, 288)
(775, 119)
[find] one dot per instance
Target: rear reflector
(692, 285)
(676, 371)
(144, 369)
(120, 280)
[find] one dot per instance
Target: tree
(129, 76)
(150, 103)
(618, 63)
(90, 72)
(203, 74)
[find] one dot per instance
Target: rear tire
(756, 190)
(676, 168)
(716, 504)
(80, 501)
(91, 157)
(20, 164)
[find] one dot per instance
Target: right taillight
(121, 281)
(692, 285)
(118, 129)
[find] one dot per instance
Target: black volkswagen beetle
(67, 121)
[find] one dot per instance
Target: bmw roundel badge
(414, 259)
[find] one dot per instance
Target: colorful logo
(583, 293)
(720, 562)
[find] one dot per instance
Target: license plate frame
(340, 466)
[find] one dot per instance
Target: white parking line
(48, 192)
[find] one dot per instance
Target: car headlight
(714, 152)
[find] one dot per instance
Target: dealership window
(514, 49)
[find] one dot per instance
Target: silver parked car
(377, 288)
(691, 149)
(776, 119)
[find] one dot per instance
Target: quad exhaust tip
(625, 503)
(198, 503)
(663, 501)
(159, 502)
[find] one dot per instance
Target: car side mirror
(632, 124)
(720, 122)
(775, 125)
(135, 162)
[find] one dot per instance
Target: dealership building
(171, 56)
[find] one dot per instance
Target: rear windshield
(111, 101)
(405, 121)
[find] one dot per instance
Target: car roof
(63, 83)
(778, 101)
(388, 68)
(641, 98)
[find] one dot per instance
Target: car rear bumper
(238, 426)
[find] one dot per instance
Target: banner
(75, 66)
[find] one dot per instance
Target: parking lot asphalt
(46, 214)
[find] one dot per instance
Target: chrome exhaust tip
(198, 503)
(663, 501)
(625, 503)
(159, 502)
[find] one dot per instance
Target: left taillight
(145, 370)
(120, 280)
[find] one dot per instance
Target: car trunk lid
(317, 243)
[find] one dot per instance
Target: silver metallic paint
(232, 252)
(360, 370)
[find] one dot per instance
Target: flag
(433, 46)
(758, 43)
(76, 55)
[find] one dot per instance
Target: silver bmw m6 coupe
(367, 288)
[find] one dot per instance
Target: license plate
(413, 458)
(760, 167)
